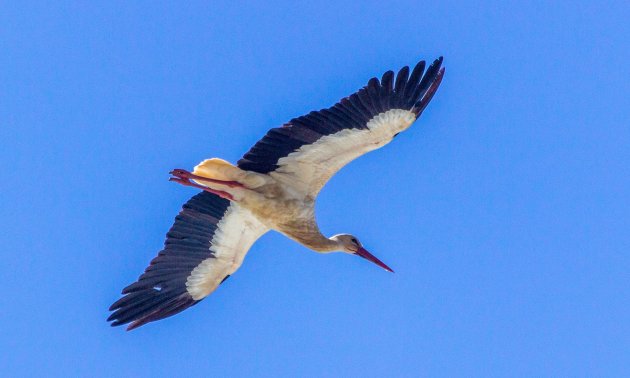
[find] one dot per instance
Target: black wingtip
(138, 316)
(435, 81)
(134, 325)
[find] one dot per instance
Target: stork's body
(274, 187)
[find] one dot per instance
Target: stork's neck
(324, 245)
(313, 239)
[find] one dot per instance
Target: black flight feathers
(161, 290)
(353, 112)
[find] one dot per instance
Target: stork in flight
(273, 187)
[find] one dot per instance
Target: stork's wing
(206, 244)
(307, 151)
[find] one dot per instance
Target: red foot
(184, 174)
(187, 182)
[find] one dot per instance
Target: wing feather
(206, 244)
(305, 152)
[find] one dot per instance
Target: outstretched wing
(307, 151)
(207, 243)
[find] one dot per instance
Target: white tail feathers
(220, 169)
(217, 169)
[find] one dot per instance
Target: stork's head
(350, 244)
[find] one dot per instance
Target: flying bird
(273, 187)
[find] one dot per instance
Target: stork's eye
(354, 241)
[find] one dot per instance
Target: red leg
(184, 174)
(187, 182)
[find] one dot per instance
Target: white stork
(273, 187)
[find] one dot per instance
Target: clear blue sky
(505, 211)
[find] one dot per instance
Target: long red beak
(370, 257)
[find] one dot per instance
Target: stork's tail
(219, 169)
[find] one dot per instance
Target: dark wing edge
(405, 92)
(161, 291)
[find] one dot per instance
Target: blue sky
(505, 210)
